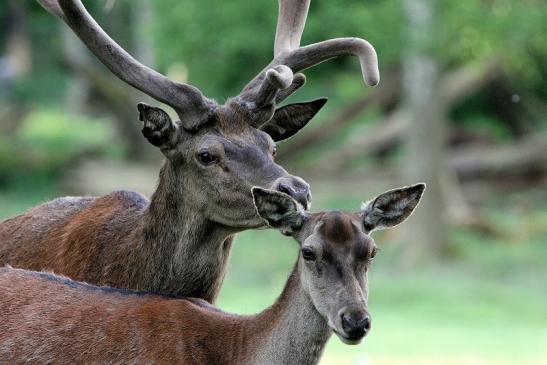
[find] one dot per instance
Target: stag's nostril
(284, 188)
(296, 188)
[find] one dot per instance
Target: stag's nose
(356, 324)
(297, 188)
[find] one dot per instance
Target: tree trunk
(16, 60)
(453, 87)
(425, 141)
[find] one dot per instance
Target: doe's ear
(278, 209)
(392, 207)
(158, 127)
(291, 118)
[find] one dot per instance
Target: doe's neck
(293, 331)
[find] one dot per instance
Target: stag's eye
(308, 254)
(206, 158)
(274, 151)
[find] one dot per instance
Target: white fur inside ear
(391, 208)
(278, 209)
(274, 214)
(372, 216)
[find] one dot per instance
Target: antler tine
(277, 78)
(53, 7)
(290, 24)
(261, 100)
(287, 52)
(188, 101)
(268, 88)
(308, 56)
(298, 81)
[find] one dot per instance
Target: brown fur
(49, 319)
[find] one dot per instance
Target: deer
(179, 241)
(52, 319)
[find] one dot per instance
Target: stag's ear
(278, 209)
(291, 118)
(158, 127)
(391, 208)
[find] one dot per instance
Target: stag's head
(336, 251)
(224, 150)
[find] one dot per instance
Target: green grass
(485, 305)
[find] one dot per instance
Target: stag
(50, 319)
(179, 241)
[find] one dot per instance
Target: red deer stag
(50, 319)
(179, 242)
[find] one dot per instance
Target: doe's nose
(356, 323)
(297, 188)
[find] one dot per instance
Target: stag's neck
(186, 252)
(171, 219)
(293, 331)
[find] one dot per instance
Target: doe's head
(336, 251)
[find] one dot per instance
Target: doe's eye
(308, 254)
(274, 151)
(205, 158)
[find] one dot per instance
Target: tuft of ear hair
(158, 127)
(291, 118)
(391, 208)
(278, 209)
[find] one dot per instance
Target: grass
(486, 305)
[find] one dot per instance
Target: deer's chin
(241, 224)
(348, 340)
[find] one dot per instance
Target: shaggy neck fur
(292, 332)
(196, 249)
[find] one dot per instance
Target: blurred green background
(462, 105)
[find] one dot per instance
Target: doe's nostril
(346, 321)
(355, 321)
(365, 322)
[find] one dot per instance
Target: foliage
(225, 43)
(48, 140)
(509, 31)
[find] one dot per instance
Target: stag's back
(67, 235)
